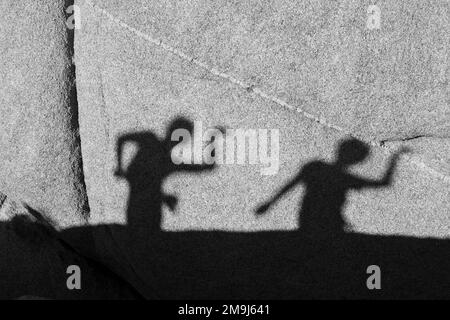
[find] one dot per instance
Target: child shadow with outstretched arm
(146, 173)
(327, 185)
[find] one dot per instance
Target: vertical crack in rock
(77, 165)
(2, 199)
(73, 244)
(41, 153)
(40, 144)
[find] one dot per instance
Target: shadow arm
(383, 182)
(284, 190)
(264, 207)
(135, 136)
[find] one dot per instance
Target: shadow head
(179, 123)
(352, 151)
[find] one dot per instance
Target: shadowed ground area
(287, 265)
(323, 259)
(213, 265)
(34, 261)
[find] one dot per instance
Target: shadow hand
(263, 208)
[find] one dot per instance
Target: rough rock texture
(320, 55)
(311, 69)
(40, 159)
(128, 83)
(39, 142)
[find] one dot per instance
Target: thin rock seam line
(256, 91)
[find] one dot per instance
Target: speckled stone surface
(311, 69)
(381, 85)
(40, 156)
(319, 72)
